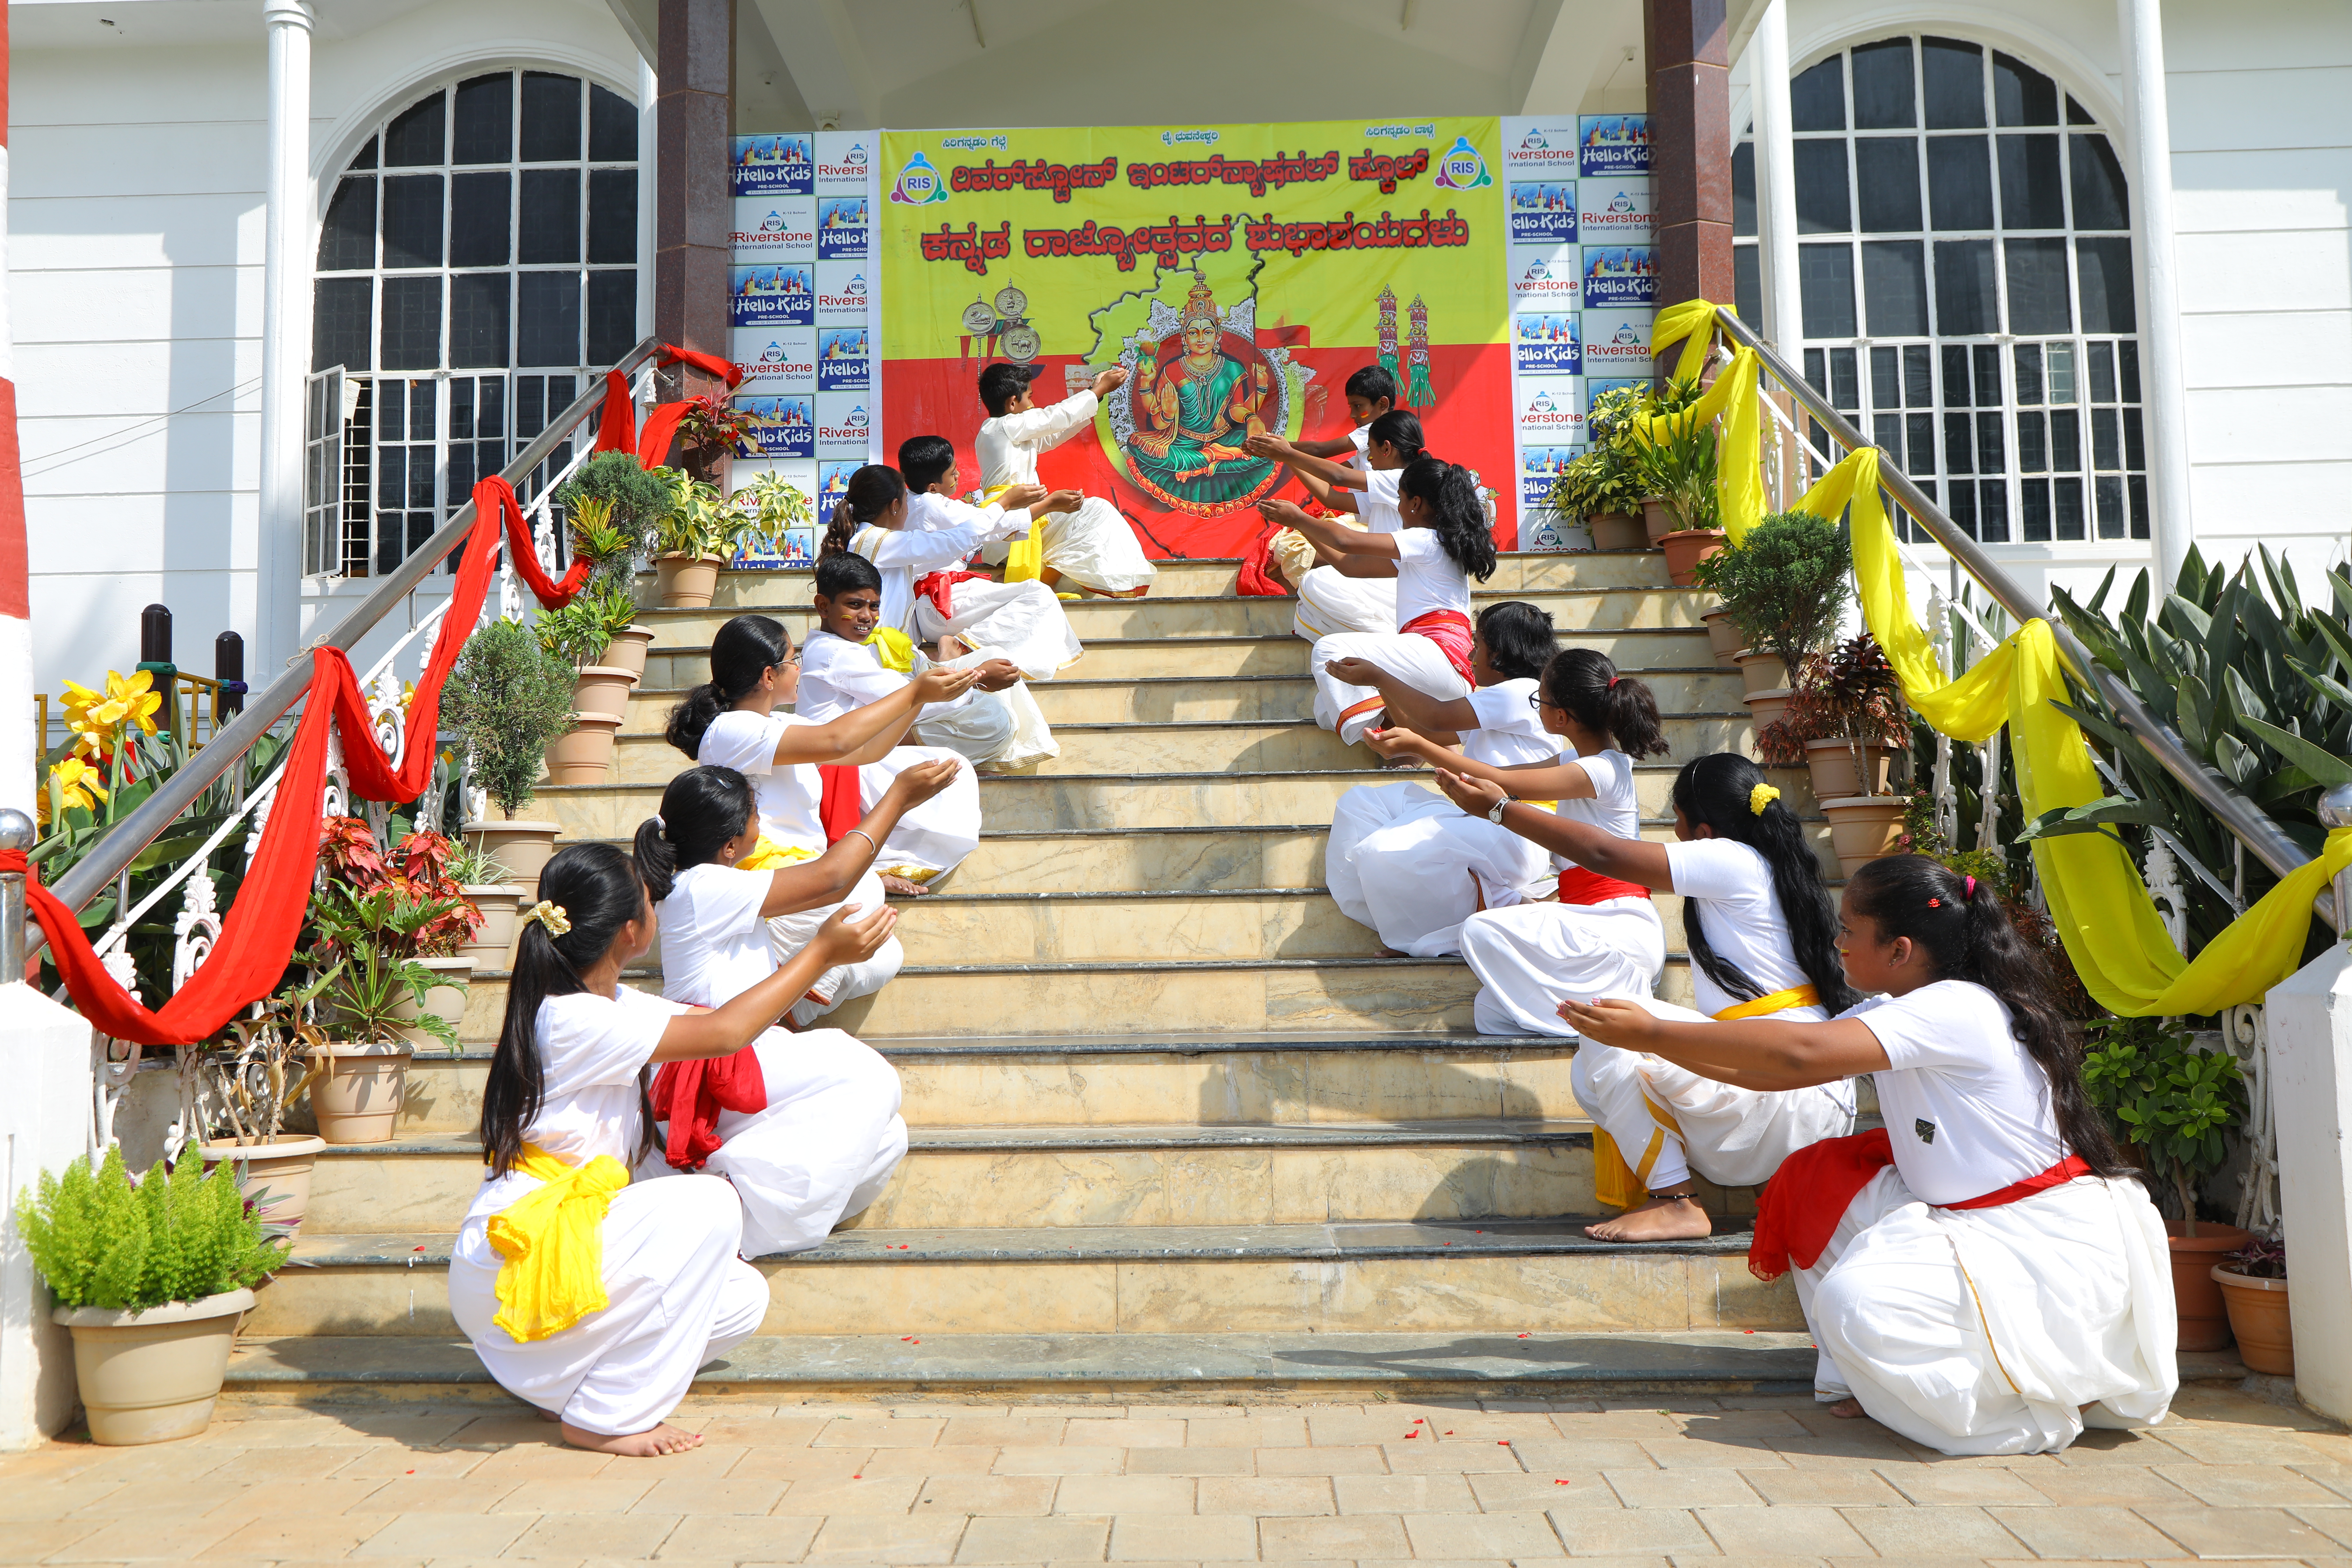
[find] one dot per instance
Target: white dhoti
(1414, 866)
(1093, 545)
(1531, 959)
(1988, 1330)
(933, 838)
(678, 1297)
(1330, 604)
(1022, 622)
(1004, 732)
(789, 933)
(1410, 657)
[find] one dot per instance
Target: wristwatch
(1494, 815)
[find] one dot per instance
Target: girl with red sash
(1758, 923)
(1444, 542)
(1982, 1274)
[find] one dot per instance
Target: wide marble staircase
(1177, 1127)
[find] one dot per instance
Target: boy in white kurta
(961, 612)
(1091, 546)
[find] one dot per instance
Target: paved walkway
(1748, 1480)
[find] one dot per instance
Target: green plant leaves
(2317, 763)
(180, 1234)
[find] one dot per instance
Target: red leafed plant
(712, 426)
(416, 874)
(1849, 694)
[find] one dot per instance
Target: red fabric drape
(939, 587)
(1449, 630)
(838, 806)
(1579, 886)
(690, 1095)
(615, 429)
(1258, 578)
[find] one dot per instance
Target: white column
(285, 338)
(2309, 1020)
(1775, 183)
(648, 176)
(44, 1122)
(2163, 383)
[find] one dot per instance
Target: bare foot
(649, 1443)
(547, 1415)
(902, 887)
(1677, 1217)
(1393, 953)
(1847, 1409)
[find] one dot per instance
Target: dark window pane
(412, 220)
(1987, 358)
(411, 325)
(2128, 353)
(2135, 440)
(461, 466)
(2106, 443)
(1886, 431)
(2033, 443)
(485, 128)
(1962, 505)
(2062, 373)
(613, 315)
(1817, 96)
(2021, 95)
(2106, 268)
(2078, 115)
(1993, 455)
(2035, 495)
(1922, 431)
(1918, 376)
(1743, 190)
(347, 239)
(1956, 375)
(420, 529)
(2065, 440)
(1964, 289)
(342, 322)
(423, 406)
(2100, 195)
(2029, 373)
(1845, 379)
(2136, 487)
(551, 118)
(1886, 381)
(366, 158)
(392, 412)
(2037, 286)
(549, 314)
(478, 320)
(1822, 205)
(1817, 373)
(1959, 183)
(416, 137)
(1825, 284)
(490, 410)
(611, 127)
(1992, 510)
(611, 216)
(2109, 488)
(1883, 98)
(2066, 497)
(1959, 443)
(1954, 74)
(1746, 286)
(2032, 195)
(1894, 287)
(1886, 174)
(461, 411)
(479, 219)
(2103, 373)
(550, 216)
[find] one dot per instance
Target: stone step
(1436, 1276)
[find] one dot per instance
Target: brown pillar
(695, 117)
(1688, 48)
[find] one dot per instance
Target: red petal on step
(1560, 1483)
(1502, 1442)
(1420, 1420)
(1410, 1435)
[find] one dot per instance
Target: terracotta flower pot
(1761, 672)
(2258, 1316)
(444, 999)
(358, 1100)
(685, 582)
(519, 845)
(1766, 707)
(495, 940)
(627, 650)
(1659, 519)
(1866, 827)
(2196, 1294)
(603, 688)
(278, 1173)
(1833, 770)
(1686, 548)
(583, 755)
(1616, 531)
(1723, 637)
(152, 1376)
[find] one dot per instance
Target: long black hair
(744, 649)
(1719, 790)
(1967, 935)
(871, 491)
(1401, 428)
(702, 809)
(1518, 637)
(1455, 513)
(599, 889)
(1585, 685)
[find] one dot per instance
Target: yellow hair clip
(1759, 797)
(550, 915)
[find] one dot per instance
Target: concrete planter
(495, 940)
(1866, 827)
(521, 846)
(358, 1098)
(1616, 531)
(1658, 520)
(583, 755)
(1761, 672)
(2196, 1292)
(603, 688)
(445, 998)
(277, 1172)
(1834, 773)
(685, 582)
(627, 650)
(152, 1376)
(2258, 1316)
(1723, 637)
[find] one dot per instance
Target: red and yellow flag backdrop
(1240, 273)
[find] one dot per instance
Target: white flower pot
(523, 846)
(152, 1376)
(357, 1099)
(278, 1173)
(493, 944)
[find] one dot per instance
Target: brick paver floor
(1747, 1480)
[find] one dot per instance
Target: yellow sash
(1618, 1184)
(553, 1243)
(893, 649)
(767, 854)
(1780, 1001)
(1024, 558)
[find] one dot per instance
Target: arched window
(1965, 268)
(477, 260)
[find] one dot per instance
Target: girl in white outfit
(1402, 858)
(1757, 922)
(1443, 543)
(588, 1296)
(805, 1125)
(1340, 593)
(1085, 541)
(1981, 1275)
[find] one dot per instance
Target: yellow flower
(76, 784)
(1759, 797)
(96, 718)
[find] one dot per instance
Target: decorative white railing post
(16, 833)
(2163, 877)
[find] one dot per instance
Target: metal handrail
(2246, 821)
(130, 837)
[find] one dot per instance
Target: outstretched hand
(1476, 796)
(1110, 381)
(1060, 500)
(1264, 443)
(997, 674)
(1356, 671)
(1017, 497)
(1395, 742)
(1287, 513)
(1608, 1021)
(844, 939)
(939, 685)
(917, 785)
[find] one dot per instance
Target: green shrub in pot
(506, 699)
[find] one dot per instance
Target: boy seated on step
(853, 659)
(1371, 391)
(958, 611)
(1091, 546)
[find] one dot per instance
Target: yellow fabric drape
(1763, 1007)
(552, 1240)
(893, 649)
(1738, 481)
(767, 854)
(1024, 558)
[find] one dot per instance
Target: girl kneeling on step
(805, 1125)
(1982, 1274)
(589, 1297)
(1758, 921)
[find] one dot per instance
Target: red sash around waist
(1449, 630)
(1579, 886)
(1799, 1210)
(936, 586)
(690, 1095)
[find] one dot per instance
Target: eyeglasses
(1538, 701)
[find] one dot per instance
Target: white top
(1008, 446)
(591, 1050)
(788, 796)
(714, 942)
(838, 675)
(1966, 1109)
(1376, 503)
(1363, 437)
(1510, 731)
(1741, 915)
(903, 554)
(1612, 808)
(1427, 578)
(928, 512)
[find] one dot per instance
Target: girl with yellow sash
(585, 1296)
(1762, 938)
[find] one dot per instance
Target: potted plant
(581, 633)
(1681, 469)
(505, 701)
(428, 918)
(774, 505)
(696, 535)
(1661, 472)
(376, 1006)
(2253, 1292)
(610, 501)
(496, 899)
(2172, 1102)
(151, 1280)
(713, 430)
(1845, 721)
(247, 1085)
(1784, 588)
